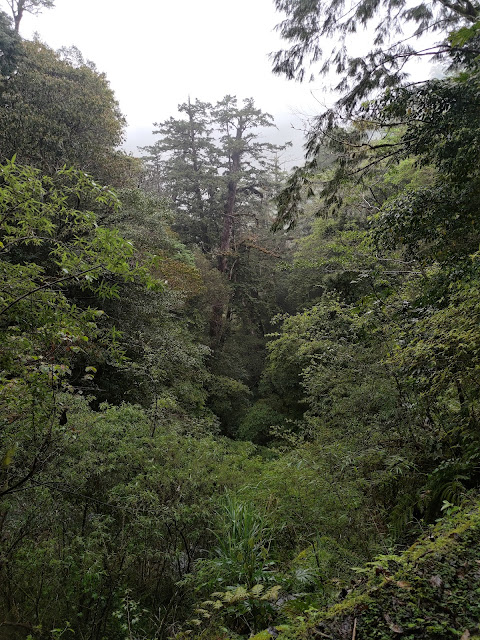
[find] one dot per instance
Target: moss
(263, 635)
(431, 591)
(267, 635)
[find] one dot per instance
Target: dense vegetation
(207, 428)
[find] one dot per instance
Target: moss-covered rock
(431, 591)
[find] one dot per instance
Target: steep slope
(432, 591)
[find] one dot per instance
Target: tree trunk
(17, 19)
(193, 143)
(227, 231)
(18, 14)
(229, 210)
(217, 320)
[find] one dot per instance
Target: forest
(238, 401)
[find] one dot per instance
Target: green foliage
(460, 37)
(181, 165)
(429, 591)
(238, 609)
(161, 335)
(10, 48)
(321, 567)
(242, 552)
(133, 518)
(54, 112)
(47, 339)
(207, 161)
(308, 24)
(228, 399)
(257, 424)
(115, 508)
(218, 177)
(403, 356)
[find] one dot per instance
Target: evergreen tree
(182, 166)
(219, 177)
(319, 32)
(213, 168)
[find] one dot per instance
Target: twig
(48, 284)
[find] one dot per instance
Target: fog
(156, 54)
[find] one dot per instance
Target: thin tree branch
(46, 285)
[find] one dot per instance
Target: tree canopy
(53, 112)
(320, 36)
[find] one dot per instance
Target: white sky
(156, 53)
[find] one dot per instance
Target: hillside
(431, 591)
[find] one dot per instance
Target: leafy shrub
(256, 424)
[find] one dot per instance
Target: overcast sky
(157, 52)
